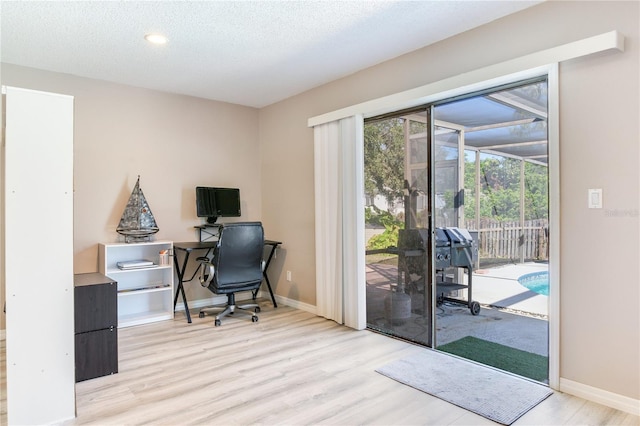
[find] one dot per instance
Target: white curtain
(339, 198)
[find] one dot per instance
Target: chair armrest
(207, 271)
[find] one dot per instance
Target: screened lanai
(490, 162)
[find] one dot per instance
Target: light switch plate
(595, 198)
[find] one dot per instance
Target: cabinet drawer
(96, 354)
(96, 307)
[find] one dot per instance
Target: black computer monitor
(214, 202)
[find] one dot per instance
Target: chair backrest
(238, 257)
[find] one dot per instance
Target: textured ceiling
(246, 52)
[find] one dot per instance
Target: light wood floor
(289, 368)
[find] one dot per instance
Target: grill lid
(459, 236)
(442, 240)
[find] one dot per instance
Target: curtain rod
(528, 65)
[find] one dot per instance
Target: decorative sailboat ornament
(137, 222)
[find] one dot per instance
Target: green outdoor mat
(505, 358)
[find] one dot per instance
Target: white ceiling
(251, 53)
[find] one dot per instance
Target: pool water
(537, 282)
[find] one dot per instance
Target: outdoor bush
(392, 224)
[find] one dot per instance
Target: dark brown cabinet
(96, 325)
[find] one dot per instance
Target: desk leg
(180, 289)
(266, 278)
(273, 298)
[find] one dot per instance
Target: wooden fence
(506, 240)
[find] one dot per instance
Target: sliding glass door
(457, 225)
(397, 183)
(491, 185)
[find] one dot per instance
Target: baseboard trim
(600, 396)
(293, 303)
(220, 300)
(202, 303)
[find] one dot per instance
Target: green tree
(536, 181)
(500, 189)
(384, 155)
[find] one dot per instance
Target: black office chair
(236, 265)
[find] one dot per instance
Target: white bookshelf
(144, 295)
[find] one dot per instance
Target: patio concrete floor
(511, 314)
(499, 286)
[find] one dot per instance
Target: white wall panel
(39, 257)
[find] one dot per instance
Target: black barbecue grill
(454, 248)
(443, 249)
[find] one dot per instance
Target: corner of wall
(600, 396)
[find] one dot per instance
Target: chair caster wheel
(474, 308)
(254, 319)
(217, 323)
(257, 310)
(201, 315)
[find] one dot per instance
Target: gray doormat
(498, 396)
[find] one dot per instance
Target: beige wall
(173, 142)
(599, 138)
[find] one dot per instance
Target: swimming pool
(536, 281)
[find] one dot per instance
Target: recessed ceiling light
(155, 38)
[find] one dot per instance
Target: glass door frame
(480, 79)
